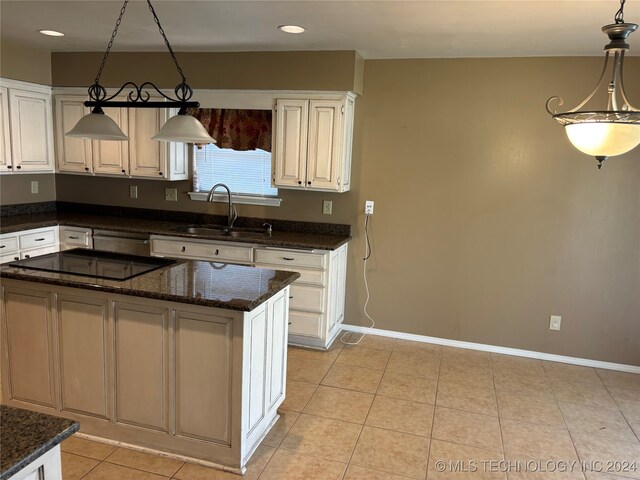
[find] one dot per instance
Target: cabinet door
(82, 336)
(148, 158)
(142, 365)
(112, 157)
(5, 133)
(31, 131)
(290, 155)
(29, 341)
(203, 346)
(73, 154)
(325, 144)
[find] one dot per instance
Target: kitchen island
(188, 359)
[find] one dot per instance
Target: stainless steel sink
(206, 230)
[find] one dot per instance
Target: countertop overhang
(209, 284)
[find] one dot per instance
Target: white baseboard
(585, 362)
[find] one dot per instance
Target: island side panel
(174, 338)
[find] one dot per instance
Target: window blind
(244, 172)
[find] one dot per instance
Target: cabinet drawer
(8, 244)
(38, 239)
(305, 324)
(306, 298)
(206, 251)
(75, 237)
(9, 257)
(291, 257)
(36, 252)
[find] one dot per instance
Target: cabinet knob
(217, 251)
(27, 256)
(18, 167)
(299, 182)
(16, 258)
(86, 168)
(124, 171)
(184, 249)
(9, 166)
(290, 323)
(159, 173)
(308, 183)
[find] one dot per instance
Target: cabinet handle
(184, 249)
(290, 296)
(2, 246)
(39, 239)
(9, 166)
(18, 167)
(217, 251)
(290, 323)
(288, 258)
(73, 238)
(299, 182)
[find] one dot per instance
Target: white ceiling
(376, 29)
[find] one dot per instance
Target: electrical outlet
(35, 186)
(133, 191)
(368, 207)
(554, 322)
(327, 207)
(171, 194)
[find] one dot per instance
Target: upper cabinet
(26, 144)
(312, 142)
(140, 157)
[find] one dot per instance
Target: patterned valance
(237, 129)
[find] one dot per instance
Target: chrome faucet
(233, 213)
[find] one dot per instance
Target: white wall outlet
(368, 207)
(554, 322)
(35, 187)
(133, 191)
(327, 207)
(171, 194)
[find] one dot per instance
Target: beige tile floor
(393, 410)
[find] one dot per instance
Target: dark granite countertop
(210, 284)
(282, 235)
(27, 435)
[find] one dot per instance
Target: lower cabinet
(196, 381)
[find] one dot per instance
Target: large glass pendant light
(180, 128)
(615, 130)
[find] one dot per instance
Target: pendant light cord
(619, 17)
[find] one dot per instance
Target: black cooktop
(94, 263)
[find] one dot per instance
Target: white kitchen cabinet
(73, 154)
(317, 298)
(149, 158)
(140, 157)
(28, 243)
(75, 237)
(313, 142)
(27, 128)
(5, 131)
(200, 250)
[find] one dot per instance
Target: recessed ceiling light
(292, 29)
(51, 33)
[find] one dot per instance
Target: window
(244, 172)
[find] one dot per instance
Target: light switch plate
(133, 191)
(34, 186)
(327, 207)
(171, 194)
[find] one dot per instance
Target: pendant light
(615, 130)
(180, 128)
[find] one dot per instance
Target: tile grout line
(433, 417)
(495, 392)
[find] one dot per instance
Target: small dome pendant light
(615, 130)
(180, 128)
